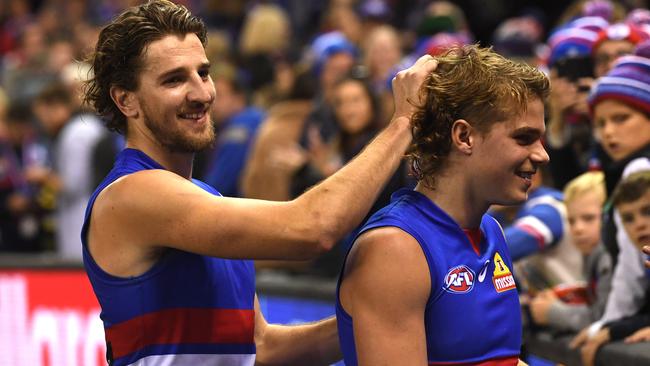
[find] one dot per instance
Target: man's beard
(177, 142)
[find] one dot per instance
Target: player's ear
(125, 101)
(462, 136)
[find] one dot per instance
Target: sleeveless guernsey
(188, 309)
(472, 316)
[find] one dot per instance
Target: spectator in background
(438, 25)
(584, 197)
(569, 135)
(4, 106)
(374, 14)
(24, 70)
(639, 17)
(357, 114)
(358, 117)
(236, 124)
(620, 104)
(613, 42)
(18, 16)
(85, 37)
(519, 38)
(631, 199)
(276, 153)
(331, 56)
(219, 48)
(433, 17)
(107, 146)
(265, 53)
(382, 51)
(61, 52)
(103, 155)
(539, 241)
(49, 17)
(382, 57)
(74, 134)
(341, 16)
(611, 12)
(25, 203)
(439, 43)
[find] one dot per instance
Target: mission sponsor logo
(502, 277)
(459, 279)
(504, 283)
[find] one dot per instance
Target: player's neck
(456, 199)
(177, 162)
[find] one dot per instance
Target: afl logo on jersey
(459, 279)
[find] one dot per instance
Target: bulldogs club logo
(459, 280)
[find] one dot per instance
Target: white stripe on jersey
(196, 360)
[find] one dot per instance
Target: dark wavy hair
(118, 56)
(471, 83)
(631, 188)
(346, 141)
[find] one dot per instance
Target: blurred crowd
(302, 86)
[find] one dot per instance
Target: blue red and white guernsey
(187, 309)
(472, 316)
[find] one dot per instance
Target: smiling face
(175, 94)
(621, 130)
(635, 216)
(506, 158)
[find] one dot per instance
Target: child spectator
(632, 200)
(584, 197)
(620, 104)
(538, 239)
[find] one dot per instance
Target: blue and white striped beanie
(575, 39)
(628, 81)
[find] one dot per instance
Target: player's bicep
(385, 289)
(158, 208)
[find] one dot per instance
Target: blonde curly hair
(471, 83)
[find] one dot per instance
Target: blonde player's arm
(305, 344)
(385, 290)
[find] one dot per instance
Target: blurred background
(301, 86)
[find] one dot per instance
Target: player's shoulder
(142, 190)
(149, 181)
(391, 260)
(390, 241)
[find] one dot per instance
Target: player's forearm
(521, 243)
(308, 344)
(340, 202)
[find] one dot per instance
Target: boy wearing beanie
(620, 106)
